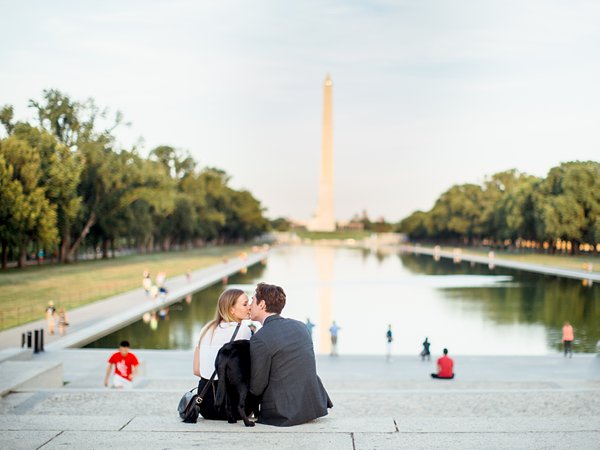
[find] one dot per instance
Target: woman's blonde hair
(226, 300)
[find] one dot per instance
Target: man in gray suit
(284, 374)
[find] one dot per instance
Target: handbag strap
(214, 374)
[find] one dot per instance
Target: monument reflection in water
(470, 309)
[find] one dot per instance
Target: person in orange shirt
(568, 339)
(445, 367)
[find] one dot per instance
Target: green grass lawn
(339, 234)
(24, 293)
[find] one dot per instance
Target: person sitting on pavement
(284, 373)
(125, 364)
(232, 310)
(445, 367)
(425, 352)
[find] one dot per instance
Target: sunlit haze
(425, 94)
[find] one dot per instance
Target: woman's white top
(213, 340)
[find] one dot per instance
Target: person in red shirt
(568, 339)
(445, 367)
(125, 364)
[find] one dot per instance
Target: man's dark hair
(124, 344)
(273, 296)
(445, 351)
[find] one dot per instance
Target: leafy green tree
(6, 118)
(11, 197)
(567, 203)
(280, 224)
(514, 215)
(36, 216)
(176, 163)
(457, 213)
(61, 171)
(416, 225)
(244, 218)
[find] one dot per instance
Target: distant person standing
(567, 339)
(425, 352)
(50, 317)
(333, 331)
(445, 367)
(310, 326)
(125, 364)
(147, 282)
(160, 279)
(389, 338)
(63, 322)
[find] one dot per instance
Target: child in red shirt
(125, 364)
(445, 367)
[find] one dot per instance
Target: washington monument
(324, 219)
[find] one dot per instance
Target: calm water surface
(470, 309)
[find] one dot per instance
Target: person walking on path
(425, 352)
(284, 373)
(567, 339)
(63, 322)
(445, 367)
(333, 331)
(146, 282)
(125, 366)
(51, 317)
(389, 338)
(232, 310)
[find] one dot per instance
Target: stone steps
(50, 431)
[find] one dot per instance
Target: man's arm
(134, 370)
(108, 374)
(260, 358)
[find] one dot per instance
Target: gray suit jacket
(284, 374)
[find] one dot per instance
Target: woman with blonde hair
(233, 308)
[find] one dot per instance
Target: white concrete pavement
(495, 402)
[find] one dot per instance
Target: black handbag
(189, 405)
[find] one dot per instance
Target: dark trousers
(207, 407)
(435, 375)
(568, 347)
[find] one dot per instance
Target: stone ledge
(517, 440)
(322, 425)
(16, 354)
(16, 375)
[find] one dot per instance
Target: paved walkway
(495, 402)
(97, 319)
(529, 267)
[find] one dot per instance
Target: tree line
(66, 185)
(560, 212)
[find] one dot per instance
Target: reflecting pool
(468, 308)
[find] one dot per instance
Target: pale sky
(427, 94)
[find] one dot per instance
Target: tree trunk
(86, 229)
(64, 245)
(91, 221)
(104, 248)
(4, 254)
(22, 255)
